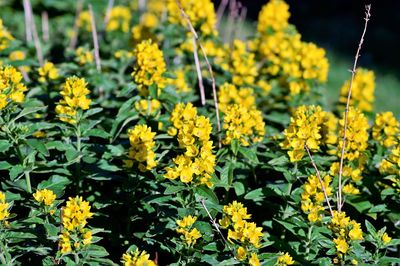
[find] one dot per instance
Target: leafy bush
(126, 157)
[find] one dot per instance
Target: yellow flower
(142, 147)
(362, 92)
(5, 37)
(83, 56)
(201, 14)
(137, 258)
(241, 253)
(386, 239)
(245, 125)
(274, 15)
(254, 261)
(386, 129)
(229, 94)
(75, 214)
(123, 54)
(65, 243)
(356, 233)
(149, 68)
(11, 88)
(148, 107)
(120, 17)
(186, 221)
(350, 189)
(74, 93)
(39, 134)
(84, 21)
(184, 227)
(180, 82)
(304, 129)
(341, 245)
(284, 259)
(4, 208)
(47, 72)
(45, 196)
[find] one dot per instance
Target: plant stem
(78, 148)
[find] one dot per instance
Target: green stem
(78, 148)
(309, 239)
(26, 173)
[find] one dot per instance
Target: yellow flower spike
(45, 196)
(230, 94)
(341, 245)
(83, 56)
(85, 21)
(254, 261)
(363, 88)
(149, 67)
(48, 72)
(386, 129)
(274, 15)
(75, 213)
(136, 258)
(120, 17)
(11, 88)
(4, 208)
(241, 253)
(5, 37)
(201, 14)
(386, 239)
(284, 259)
(74, 93)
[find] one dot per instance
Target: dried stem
(346, 114)
(39, 53)
(75, 31)
(319, 178)
(216, 226)
(220, 10)
(28, 22)
(201, 86)
(240, 21)
(45, 26)
(108, 12)
(95, 40)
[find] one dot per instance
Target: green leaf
(16, 171)
(255, 195)
(207, 193)
(280, 161)
(153, 91)
(239, 188)
(248, 153)
(27, 111)
(38, 145)
(171, 189)
(235, 146)
(91, 112)
(371, 229)
(56, 183)
(51, 230)
(4, 145)
(97, 133)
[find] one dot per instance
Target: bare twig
(142, 5)
(216, 226)
(220, 10)
(28, 22)
(95, 40)
(346, 114)
(36, 40)
(240, 20)
(319, 178)
(75, 30)
(201, 86)
(108, 12)
(45, 26)
(198, 70)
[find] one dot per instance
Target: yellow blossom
(45, 196)
(241, 253)
(341, 245)
(4, 208)
(386, 129)
(85, 21)
(386, 238)
(284, 259)
(84, 56)
(230, 94)
(47, 72)
(148, 107)
(5, 37)
(137, 258)
(119, 19)
(274, 15)
(11, 87)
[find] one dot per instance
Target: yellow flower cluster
(83, 56)
(312, 197)
(350, 171)
(144, 30)
(345, 231)
(304, 129)
(391, 166)
(193, 134)
(148, 107)
(11, 88)
(74, 93)
(123, 55)
(362, 92)
(356, 134)
(4, 209)
(243, 124)
(229, 94)
(120, 17)
(85, 21)
(386, 238)
(142, 148)
(149, 68)
(74, 219)
(273, 16)
(245, 233)
(200, 12)
(185, 228)
(19, 55)
(47, 72)
(5, 37)
(180, 81)
(137, 258)
(284, 259)
(386, 129)
(296, 62)
(241, 64)
(45, 196)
